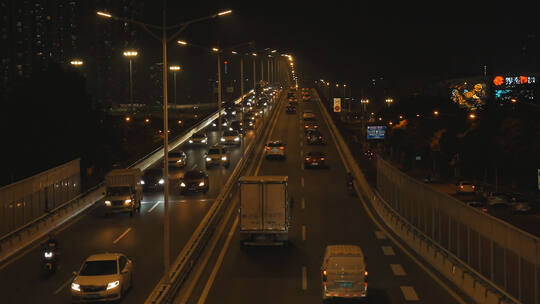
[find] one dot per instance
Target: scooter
(48, 261)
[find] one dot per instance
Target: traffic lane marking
(303, 203)
(408, 293)
(303, 232)
(122, 235)
(304, 278)
(388, 250)
(153, 207)
(380, 235)
(63, 285)
(397, 269)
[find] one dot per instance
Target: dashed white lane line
(397, 269)
(303, 203)
(302, 181)
(380, 235)
(153, 207)
(304, 278)
(408, 293)
(122, 235)
(303, 232)
(387, 250)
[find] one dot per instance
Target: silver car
(216, 156)
(198, 139)
(230, 138)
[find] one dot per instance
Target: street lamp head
(273, 51)
(224, 13)
(233, 52)
(174, 68)
(130, 53)
(104, 14)
(215, 49)
(76, 62)
(182, 42)
(254, 54)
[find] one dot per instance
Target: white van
(344, 273)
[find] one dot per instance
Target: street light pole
(130, 55)
(254, 73)
(174, 69)
(166, 223)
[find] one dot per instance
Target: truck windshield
(111, 191)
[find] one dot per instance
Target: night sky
(340, 41)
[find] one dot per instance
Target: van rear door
(346, 275)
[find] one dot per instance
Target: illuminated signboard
(376, 132)
(469, 95)
(514, 88)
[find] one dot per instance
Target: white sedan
(102, 277)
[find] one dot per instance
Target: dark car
(249, 123)
(291, 109)
(194, 181)
(314, 138)
(369, 154)
(152, 179)
(237, 126)
(311, 126)
(315, 159)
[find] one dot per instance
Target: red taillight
(307, 158)
(267, 148)
(282, 148)
(306, 127)
(324, 275)
(472, 186)
(461, 186)
(322, 158)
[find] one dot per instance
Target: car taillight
(472, 186)
(324, 273)
(307, 158)
(461, 186)
(267, 148)
(322, 158)
(282, 148)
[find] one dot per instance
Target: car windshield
(229, 133)
(198, 135)
(275, 144)
(118, 190)
(315, 154)
(214, 151)
(152, 173)
(97, 268)
(193, 174)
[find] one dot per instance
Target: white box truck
(264, 210)
(123, 191)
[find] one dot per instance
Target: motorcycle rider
(49, 254)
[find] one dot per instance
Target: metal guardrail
(165, 291)
(26, 235)
(408, 231)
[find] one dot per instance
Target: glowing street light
(472, 116)
(225, 13)
(104, 14)
(215, 49)
(182, 42)
(436, 113)
(76, 62)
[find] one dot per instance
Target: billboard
(471, 96)
(376, 132)
(514, 88)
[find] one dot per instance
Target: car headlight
(190, 141)
(224, 158)
(142, 182)
(182, 184)
(204, 140)
(107, 203)
(76, 286)
(222, 139)
(230, 129)
(233, 112)
(112, 285)
(180, 161)
(236, 138)
(127, 201)
(208, 159)
(201, 184)
(161, 181)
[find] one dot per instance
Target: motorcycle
(48, 261)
